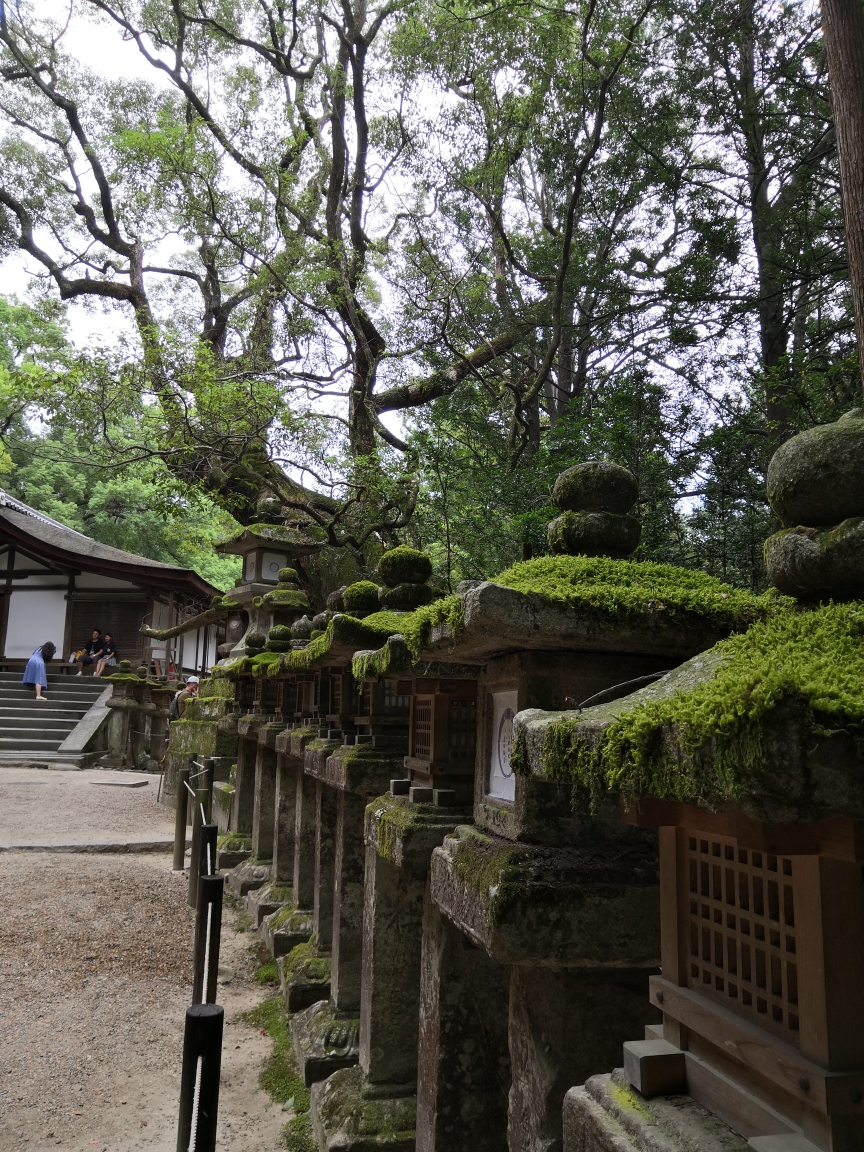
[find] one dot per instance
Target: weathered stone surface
(593, 906)
(324, 1041)
(304, 841)
(325, 861)
(264, 807)
(565, 1025)
(357, 768)
(405, 597)
(285, 820)
(348, 902)
(304, 976)
(223, 802)
(607, 1115)
(201, 738)
(246, 876)
(463, 1080)
(263, 901)
(286, 927)
(350, 1115)
(406, 833)
(818, 564)
(594, 534)
(404, 565)
(596, 486)
(816, 477)
(499, 619)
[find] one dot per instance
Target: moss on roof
(699, 735)
(623, 588)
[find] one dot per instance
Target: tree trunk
(843, 28)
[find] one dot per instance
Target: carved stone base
(264, 901)
(352, 1115)
(285, 928)
(607, 1115)
(324, 1041)
(247, 876)
(304, 977)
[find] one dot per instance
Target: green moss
(297, 1136)
(393, 818)
(265, 663)
(404, 564)
(282, 598)
(360, 597)
(482, 864)
(268, 973)
(627, 588)
(304, 961)
(280, 1078)
(627, 1102)
(706, 743)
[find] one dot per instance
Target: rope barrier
(196, 1103)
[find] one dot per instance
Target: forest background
(386, 270)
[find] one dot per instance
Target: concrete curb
(81, 846)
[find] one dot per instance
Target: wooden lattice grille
(741, 930)
(394, 703)
(463, 728)
(422, 727)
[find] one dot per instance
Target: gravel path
(38, 806)
(95, 977)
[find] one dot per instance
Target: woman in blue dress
(34, 674)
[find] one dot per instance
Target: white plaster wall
(34, 618)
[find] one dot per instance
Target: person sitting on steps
(35, 675)
(108, 659)
(93, 651)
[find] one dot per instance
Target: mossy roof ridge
(622, 588)
(702, 733)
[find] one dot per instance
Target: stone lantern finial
(595, 500)
(816, 489)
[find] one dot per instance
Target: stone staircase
(30, 731)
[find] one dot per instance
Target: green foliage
(705, 743)
(361, 598)
(268, 973)
(622, 588)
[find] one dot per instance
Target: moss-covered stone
(816, 478)
(283, 598)
(404, 565)
(305, 963)
(287, 576)
(818, 564)
(234, 842)
(594, 534)
(596, 486)
(198, 738)
(347, 1115)
(405, 597)
(771, 721)
(361, 599)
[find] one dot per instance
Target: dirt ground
(95, 977)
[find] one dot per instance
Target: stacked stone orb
(595, 500)
(816, 490)
(404, 572)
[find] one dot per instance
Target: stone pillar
(464, 1061)
(304, 842)
(285, 822)
(244, 787)
(346, 963)
(566, 1024)
(392, 932)
(325, 859)
(264, 807)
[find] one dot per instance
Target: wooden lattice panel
(463, 728)
(394, 703)
(421, 741)
(741, 931)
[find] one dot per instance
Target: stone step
(9, 719)
(25, 697)
(30, 723)
(28, 743)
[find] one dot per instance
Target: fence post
(208, 928)
(208, 849)
(195, 858)
(199, 1080)
(181, 808)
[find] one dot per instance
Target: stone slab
(246, 876)
(97, 846)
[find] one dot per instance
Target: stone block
(655, 1067)
(350, 1115)
(264, 901)
(246, 876)
(304, 977)
(324, 1041)
(285, 928)
(607, 1115)
(362, 768)
(526, 904)
(223, 802)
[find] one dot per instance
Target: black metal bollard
(208, 930)
(181, 808)
(195, 857)
(199, 1081)
(207, 853)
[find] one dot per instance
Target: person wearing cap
(190, 692)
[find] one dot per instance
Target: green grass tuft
(268, 973)
(280, 1078)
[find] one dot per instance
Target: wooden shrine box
(443, 734)
(244, 695)
(763, 972)
(383, 712)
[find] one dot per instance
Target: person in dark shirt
(93, 651)
(108, 658)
